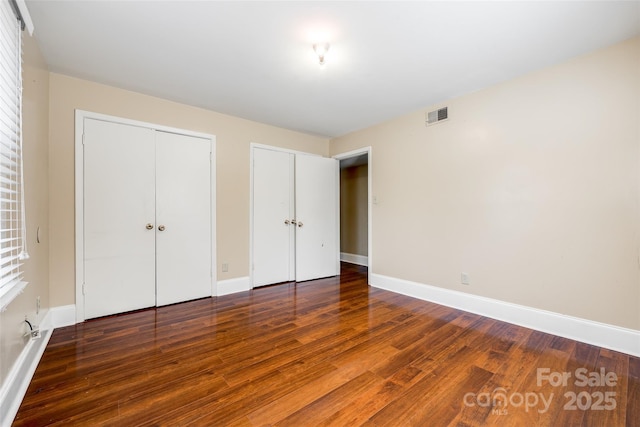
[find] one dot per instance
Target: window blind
(13, 248)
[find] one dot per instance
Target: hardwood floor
(327, 352)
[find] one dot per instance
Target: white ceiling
(255, 60)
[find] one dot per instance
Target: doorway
(356, 202)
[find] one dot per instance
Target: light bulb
(321, 50)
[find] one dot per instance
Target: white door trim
(283, 150)
(80, 115)
(348, 155)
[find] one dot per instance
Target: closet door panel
(316, 214)
(183, 217)
(273, 235)
(119, 202)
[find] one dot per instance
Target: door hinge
(83, 289)
(83, 139)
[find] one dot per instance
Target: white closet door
(183, 217)
(119, 202)
(317, 215)
(273, 254)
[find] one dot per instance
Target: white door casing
(370, 199)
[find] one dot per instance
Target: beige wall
(233, 136)
(35, 138)
(353, 210)
(532, 187)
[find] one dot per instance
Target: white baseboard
(231, 286)
(64, 315)
(17, 381)
(354, 259)
(583, 330)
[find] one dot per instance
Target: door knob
(287, 222)
(293, 221)
(161, 228)
(149, 226)
(300, 224)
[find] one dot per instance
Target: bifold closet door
(317, 215)
(273, 233)
(294, 217)
(183, 218)
(119, 208)
(147, 218)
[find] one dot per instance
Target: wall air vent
(437, 116)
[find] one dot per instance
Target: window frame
(14, 18)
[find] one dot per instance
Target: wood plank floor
(330, 352)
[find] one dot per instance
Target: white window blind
(13, 249)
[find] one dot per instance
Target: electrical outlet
(225, 267)
(33, 331)
(35, 334)
(464, 278)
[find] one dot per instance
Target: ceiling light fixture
(321, 50)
